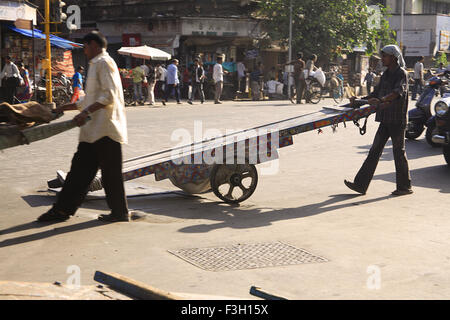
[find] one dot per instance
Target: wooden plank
(257, 292)
(132, 287)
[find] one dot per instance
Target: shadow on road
(47, 233)
(415, 149)
(37, 200)
(436, 177)
(244, 216)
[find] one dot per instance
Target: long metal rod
(49, 52)
(402, 14)
(290, 48)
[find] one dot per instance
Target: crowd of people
(15, 81)
(157, 81)
(154, 81)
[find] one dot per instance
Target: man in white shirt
(418, 78)
(10, 78)
(100, 138)
(218, 78)
(160, 80)
(145, 88)
(240, 67)
(272, 86)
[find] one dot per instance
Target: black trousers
(397, 135)
(105, 154)
(10, 86)
(417, 88)
(300, 88)
(197, 87)
(369, 87)
(169, 88)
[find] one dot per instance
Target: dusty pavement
(376, 246)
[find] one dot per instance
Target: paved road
(376, 246)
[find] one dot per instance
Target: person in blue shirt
(77, 84)
(172, 82)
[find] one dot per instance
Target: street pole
(290, 48)
(49, 53)
(401, 25)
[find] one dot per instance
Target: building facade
(426, 28)
(185, 29)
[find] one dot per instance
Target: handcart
(226, 165)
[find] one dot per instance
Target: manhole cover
(246, 256)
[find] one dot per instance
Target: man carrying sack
(100, 138)
(391, 98)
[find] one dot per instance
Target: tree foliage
(326, 27)
(441, 58)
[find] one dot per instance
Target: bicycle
(313, 92)
(337, 93)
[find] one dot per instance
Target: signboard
(219, 27)
(131, 39)
(444, 40)
(24, 24)
(13, 10)
(416, 43)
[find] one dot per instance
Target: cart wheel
(234, 183)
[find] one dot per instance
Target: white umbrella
(144, 52)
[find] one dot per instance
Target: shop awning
(144, 52)
(54, 40)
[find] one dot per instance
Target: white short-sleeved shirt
(218, 72)
(103, 85)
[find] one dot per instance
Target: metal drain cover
(246, 256)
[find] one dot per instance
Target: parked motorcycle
(420, 117)
(61, 91)
(442, 137)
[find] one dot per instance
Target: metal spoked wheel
(234, 183)
(315, 92)
(128, 97)
(338, 94)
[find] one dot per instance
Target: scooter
(420, 117)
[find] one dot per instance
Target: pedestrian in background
(77, 84)
(369, 79)
(198, 76)
(145, 81)
(172, 82)
(218, 73)
(24, 91)
(299, 77)
(240, 68)
(11, 79)
(138, 77)
(418, 78)
(151, 80)
(100, 138)
(255, 82)
(160, 79)
(186, 83)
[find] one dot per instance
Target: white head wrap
(395, 51)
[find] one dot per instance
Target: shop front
(18, 47)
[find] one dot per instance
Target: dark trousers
(242, 84)
(169, 88)
(197, 87)
(417, 88)
(105, 154)
(301, 86)
(159, 92)
(397, 135)
(369, 87)
(9, 91)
